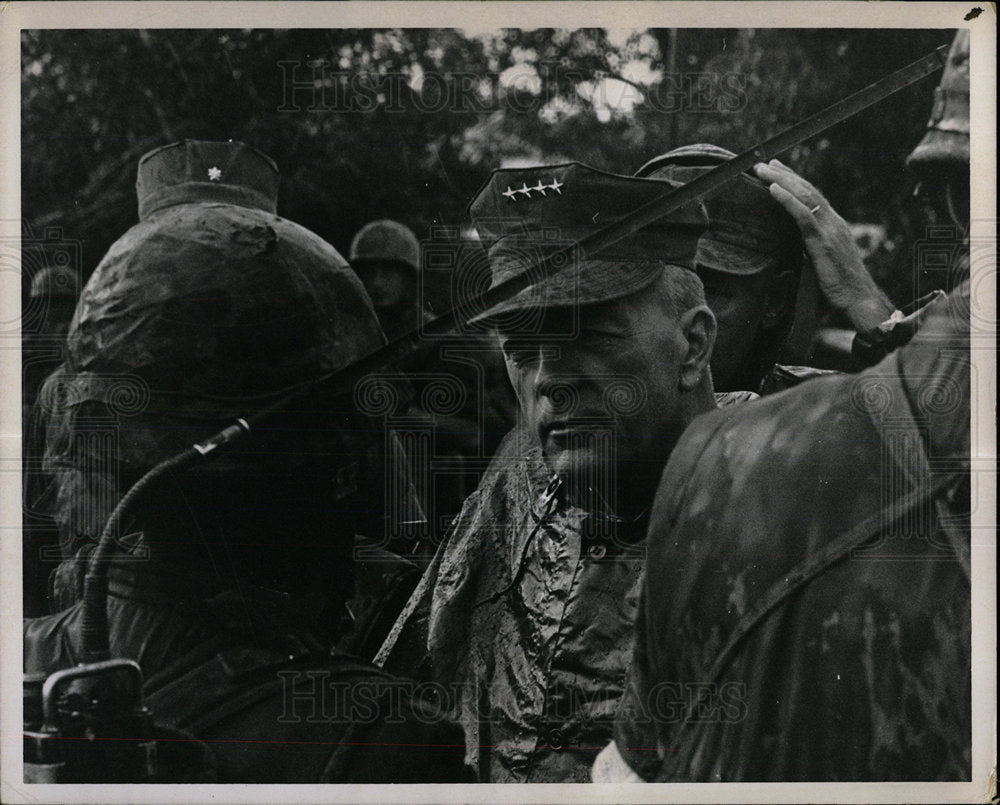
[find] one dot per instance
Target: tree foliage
(407, 124)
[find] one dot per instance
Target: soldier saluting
(809, 563)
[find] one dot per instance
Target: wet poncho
(241, 672)
(806, 615)
(525, 620)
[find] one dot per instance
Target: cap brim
(730, 259)
(604, 281)
(940, 151)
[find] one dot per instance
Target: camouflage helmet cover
(208, 308)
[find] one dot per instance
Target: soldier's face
(604, 403)
(944, 197)
(744, 307)
(738, 305)
(388, 285)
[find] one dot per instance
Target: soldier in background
(386, 256)
(752, 264)
(454, 409)
(54, 291)
(941, 160)
(229, 583)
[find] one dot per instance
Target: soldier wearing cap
(751, 262)
(229, 581)
(525, 615)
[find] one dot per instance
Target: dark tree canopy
(407, 124)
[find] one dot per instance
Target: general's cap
(198, 170)
(523, 215)
(748, 231)
(946, 143)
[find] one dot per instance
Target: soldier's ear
(699, 328)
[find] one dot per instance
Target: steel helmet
(55, 281)
(945, 145)
(386, 240)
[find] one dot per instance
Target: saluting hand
(840, 271)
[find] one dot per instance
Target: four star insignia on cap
(214, 174)
(526, 191)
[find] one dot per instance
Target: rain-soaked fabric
(214, 303)
(781, 377)
(237, 670)
(200, 313)
(528, 632)
(525, 618)
(807, 611)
